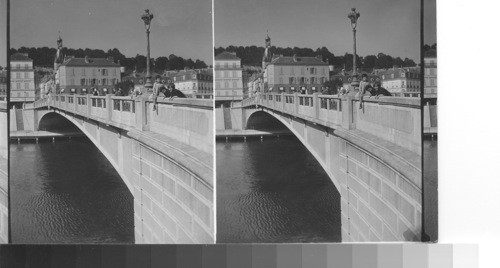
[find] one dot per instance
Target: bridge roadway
(372, 155)
(165, 157)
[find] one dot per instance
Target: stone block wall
(171, 204)
(378, 203)
(4, 188)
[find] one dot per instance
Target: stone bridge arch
(380, 190)
(171, 179)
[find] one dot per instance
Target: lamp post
(353, 16)
(147, 18)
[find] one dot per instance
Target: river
(67, 192)
(274, 191)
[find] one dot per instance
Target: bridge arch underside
(380, 200)
(172, 204)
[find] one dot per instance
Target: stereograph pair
(189, 122)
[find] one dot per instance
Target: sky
(180, 27)
(3, 33)
(388, 26)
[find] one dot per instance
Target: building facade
(295, 74)
(3, 85)
(430, 75)
(192, 82)
(228, 78)
(22, 79)
(404, 82)
(81, 75)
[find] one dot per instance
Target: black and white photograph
(4, 147)
(111, 122)
(318, 121)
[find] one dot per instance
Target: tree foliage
(44, 57)
(252, 55)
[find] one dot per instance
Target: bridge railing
(186, 119)
(395, 119)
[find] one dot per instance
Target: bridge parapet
(186, 120)
(393, 119)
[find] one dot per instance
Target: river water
(274, 191)
(67, 192)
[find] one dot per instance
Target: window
(312, 70)
(114, 72)
(18, 75)
(292, 70)
(104, 72)
(226, 84)
(226, 65)
(26, 66)
(225, 74)
(281, 70)
(302, 79)
(104, 81)
(290, 80)
(93, 72)
(313, 80)
(27, 75)
(83, 71)
(26, 85)
(18, 66)
(433, 82)
(234, 64)
(217, 84)
(18, 85)
(93, 82)
(72, 72)
(82, 82)
(235, 84)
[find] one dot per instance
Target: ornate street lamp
(147, 18)
(353, 16)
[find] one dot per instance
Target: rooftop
(20, 57)
(226, 55)
(90, 62)
(283, 60)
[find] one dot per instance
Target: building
(81, 75)
(3, 85)
(192, 81)
(295, 74)
(22, 79)
(430, 73)
(228, 78)
(404, 82)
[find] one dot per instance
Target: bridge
(4, 188)
(165, 157)
(372, 155)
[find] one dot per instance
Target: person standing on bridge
(157, 86)
(363, 88)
